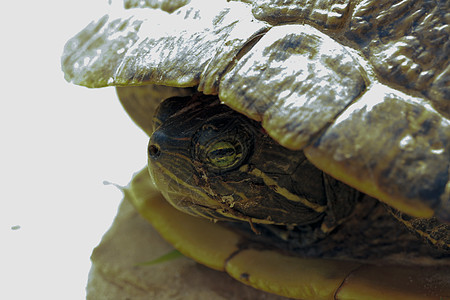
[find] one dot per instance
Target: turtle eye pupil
(223, 154)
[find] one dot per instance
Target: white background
(58, 143)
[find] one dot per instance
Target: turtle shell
(362, 87)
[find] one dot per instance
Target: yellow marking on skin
(235, 216)
(180, 156)
(189, 187)
(180, 139)
(283, 191)
(200, 213)
(422, 233)
(221, 212)
(246, 200)
(240, 194)
(213, 203)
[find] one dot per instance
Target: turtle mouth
(193, 200)
(188, 205)
(184, 196)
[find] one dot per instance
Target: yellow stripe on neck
(283, 191)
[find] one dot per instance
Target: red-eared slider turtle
(315, 134)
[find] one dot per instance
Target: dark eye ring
(221, 150)
(224, 154)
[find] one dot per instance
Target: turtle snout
(164, 146)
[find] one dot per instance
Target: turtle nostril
(154, 151)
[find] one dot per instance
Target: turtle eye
(224, 154)
(222, 145)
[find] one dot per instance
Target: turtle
(311, 138)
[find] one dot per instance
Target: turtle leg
(341, 200)
(432, 231)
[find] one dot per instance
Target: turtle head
(208, 160)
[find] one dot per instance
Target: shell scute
(137, 47)
(295, 80)
(329, 14)
(407, 42)
(391, 147)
